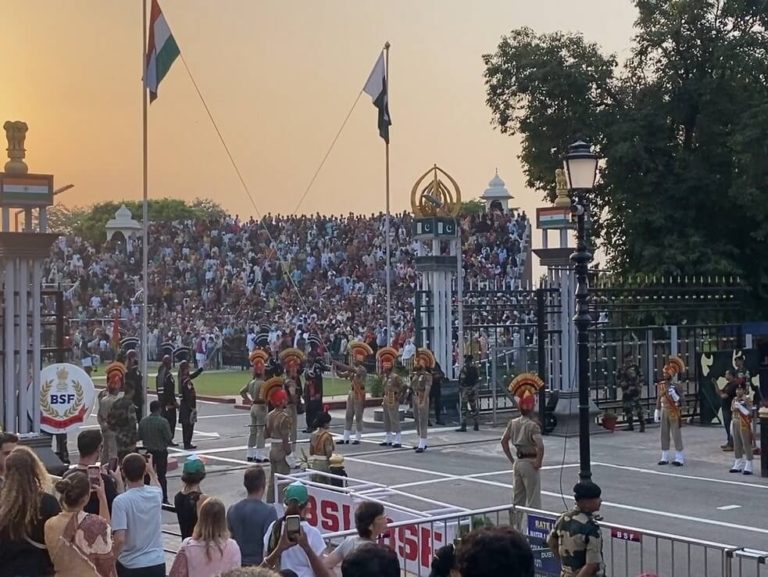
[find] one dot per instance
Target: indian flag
(162, 50)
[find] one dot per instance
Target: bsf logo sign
(66, 397)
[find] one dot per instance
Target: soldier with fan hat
(279, 430)
(524, 433)
(356, 399)
(421, 382)
(668, 402)
(313, 374)
(292, 360)
(393, 390)
(251, 392)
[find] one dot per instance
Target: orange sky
(279, 76)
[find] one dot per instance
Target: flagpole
(144, 219)
(389, 254)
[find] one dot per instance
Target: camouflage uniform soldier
(122, 421)
(468, 378)
(576, 539)
(630, 381)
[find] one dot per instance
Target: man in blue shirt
(248, 519)
(136, 521)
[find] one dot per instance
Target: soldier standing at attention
(133, 373)
(356, 399)
(421, 383)
(393, 390)
(166, 393)
(576, 539)
(741, 427)
(292, 360)
(252, 392)
(279, 430)
(630, 381)
(525, 434)
(668, 412)
(468, 378)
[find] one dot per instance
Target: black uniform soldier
(468, 378)
(576, 539)
(166, 393)
(134, 375)
(629, 378)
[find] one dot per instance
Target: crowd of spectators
(209, 281)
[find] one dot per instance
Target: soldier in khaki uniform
(524, 433)
(356, 399)
(667, 412)
(576, 538)
(393, 390)
(279, 430)
(291, 360)
(741, 430)
(252, 393)
(421, 382)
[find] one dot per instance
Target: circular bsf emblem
(66, 397)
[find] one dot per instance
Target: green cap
(193, 466)
(296, 492)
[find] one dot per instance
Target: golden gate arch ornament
(430, 196)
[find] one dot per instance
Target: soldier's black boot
(630, 422)
(477, 426)
(642, 424)
(462, 428)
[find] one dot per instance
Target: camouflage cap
(586, 490)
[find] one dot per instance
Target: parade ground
(701, 500)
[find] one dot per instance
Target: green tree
(681, 127)
(474, 206)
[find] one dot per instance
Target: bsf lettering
(64, 399)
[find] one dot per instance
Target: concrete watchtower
(21, 262)
(435, 207)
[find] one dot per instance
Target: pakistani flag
(376, 88)
(162, 50)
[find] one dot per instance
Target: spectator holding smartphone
(298, 550)
(89, 445)
(136, 521)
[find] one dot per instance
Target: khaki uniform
(256, 441)
(525, 435)
(279, 430)
(421, 381)
(321, 447)
(670, 422)
(580, 542)
(292, 389)
(393, 389)
(109, 446)
(355, 403)
(741, 429)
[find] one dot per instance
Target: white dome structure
(122, 223)
(496, 196)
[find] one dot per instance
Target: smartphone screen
(292, 525)
(94, 476)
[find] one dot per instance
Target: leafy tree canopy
(681, 126)
(89, 223)
(474, 206)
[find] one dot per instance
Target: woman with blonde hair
(209, 552)
(25, 506)
(80, 544)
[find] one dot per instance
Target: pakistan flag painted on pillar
(162, 50)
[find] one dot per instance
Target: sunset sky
(279, 77)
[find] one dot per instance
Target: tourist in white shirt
(370, 522)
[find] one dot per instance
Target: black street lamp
(581, 171)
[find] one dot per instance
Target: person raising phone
(292, 543)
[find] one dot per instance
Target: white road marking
(728, 507)
(691, 477)
(474, 476)
(227, 415)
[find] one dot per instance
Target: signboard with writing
(67, 395)
(545, 562)
(626, 535)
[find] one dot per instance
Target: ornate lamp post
(581, 170)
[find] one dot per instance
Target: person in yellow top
(321, 447)
(741, 430)
(279, 430)
(421, 382)
(668, 402)
(393, 390)
(357, 374)
(252, 392)
(524, 433)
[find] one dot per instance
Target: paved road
(701, 500)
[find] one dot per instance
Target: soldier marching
(251, 392)
(358, 376)
(629, 379)
(278, 429)
(468, 378)
(421, 382)
(393, 391)
(668, 402)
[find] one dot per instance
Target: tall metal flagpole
(144, 220)
(389, 260)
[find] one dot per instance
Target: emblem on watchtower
(434, 197)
